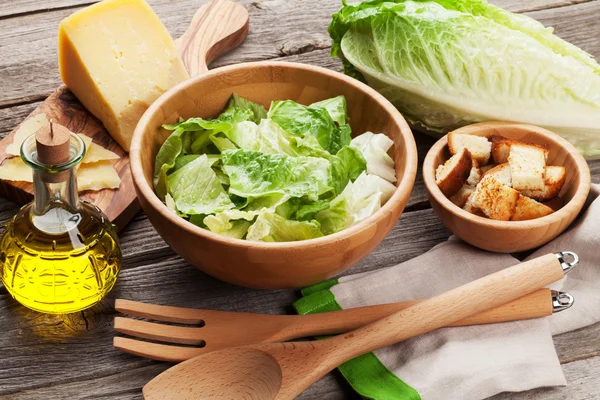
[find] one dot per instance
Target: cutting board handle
(217, 27)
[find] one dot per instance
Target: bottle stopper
(53, 144)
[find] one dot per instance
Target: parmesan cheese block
(27, 128)
(96, 176)
(117, 58)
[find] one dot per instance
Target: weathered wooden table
(71, 357)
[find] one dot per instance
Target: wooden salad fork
(210, 330)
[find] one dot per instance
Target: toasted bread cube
(460, 198)
(527, 166)
(500, 148)
(475, 174)
(501, 173)
(495, 200)
(479, 147)
(555, 203)
(486, 168)
(451, 175)
(529, 209)
(470, 207)
(554, 178)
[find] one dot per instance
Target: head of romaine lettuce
(448, 63)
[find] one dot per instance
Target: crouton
(479, 147)
(529, 209)
(454, 173)
(486, 168)
(474, 175)
(461, 197)
(470, 207)
(555, 203)
(495, 200)
(501, 148)
(554, 178)
(527, 166)
(501, 173)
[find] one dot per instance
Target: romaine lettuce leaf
(195, 189)
(336, 107)
(359, 200)
(302, 120)
(346, 165)
(232, 223)
(267, 137)
(254, 174)
(272, 227)
(165, 160)
(238, 102)
(448, 63)
(374, 148)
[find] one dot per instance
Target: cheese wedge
(118, 58)
(97, 176)
(27, 128)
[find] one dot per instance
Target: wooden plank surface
(71, 357)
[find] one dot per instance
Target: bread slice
(527, 166)
(495, 200)
(501, 148)
(501, 173)
(554, 178)
(555, 203)
(479, 147)
(529, 209)
(460, 198)
(454, 173)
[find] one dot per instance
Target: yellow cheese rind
(14, 169)
(27, 128)
(97, 176)
(118, 58)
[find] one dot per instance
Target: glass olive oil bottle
(59, 254)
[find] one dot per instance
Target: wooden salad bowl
(512, 236)
(259, 264)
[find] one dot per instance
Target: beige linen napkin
(468, 363)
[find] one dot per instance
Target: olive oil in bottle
(59, 254)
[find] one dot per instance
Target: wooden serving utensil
(217, 27)
(210, 330)
(284, 370)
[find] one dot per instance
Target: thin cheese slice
(95, 152)
(97, 176)
(27, 128)
(93, 176)
(14, 169)
(117, 57)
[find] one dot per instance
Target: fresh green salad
(290, 173)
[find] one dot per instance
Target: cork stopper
(53, 144)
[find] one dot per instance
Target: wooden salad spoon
(284, 370)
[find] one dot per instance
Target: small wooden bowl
(512, 236)
(258, 264)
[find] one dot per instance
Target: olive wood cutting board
(216, 28)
